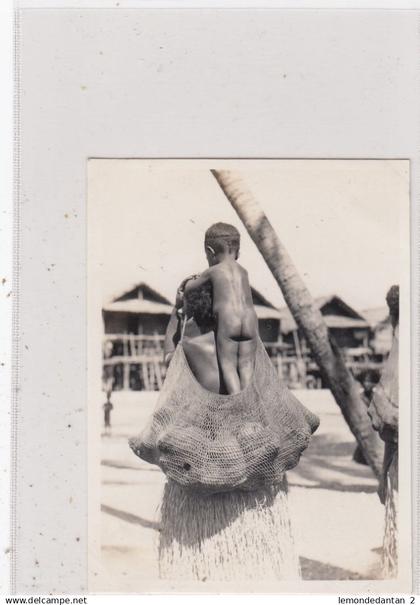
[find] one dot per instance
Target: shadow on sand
(129, 517)
(328, 464)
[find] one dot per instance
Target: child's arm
(180, 292)
(197, 281)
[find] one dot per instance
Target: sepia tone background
(343, 223)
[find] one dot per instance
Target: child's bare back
(236, 324)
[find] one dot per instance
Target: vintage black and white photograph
(248, 326)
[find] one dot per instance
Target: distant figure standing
(383, 411)
(369, 381)
(107, 407)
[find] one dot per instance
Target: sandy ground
(337, 516)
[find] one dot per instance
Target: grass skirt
(390, 545)
(228, 536)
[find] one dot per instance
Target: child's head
(221, 239)
(369, 380)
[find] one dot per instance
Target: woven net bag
(213, 443)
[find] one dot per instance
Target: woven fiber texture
(211, 443)
(229, 536)
(390, 543)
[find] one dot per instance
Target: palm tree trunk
(306, 314)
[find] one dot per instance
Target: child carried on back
(247, 431)
(236, 324)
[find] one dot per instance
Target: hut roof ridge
(353, 318)
(155, 295)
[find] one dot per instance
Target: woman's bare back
(200, 351)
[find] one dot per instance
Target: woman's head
(393, 302)
(198, 304)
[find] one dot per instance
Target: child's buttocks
(238, 326)
(241, 338)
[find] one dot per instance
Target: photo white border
(6, 279)
(369, 137)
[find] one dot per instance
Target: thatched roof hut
(380, 323)
(349, 327)
(143, 310)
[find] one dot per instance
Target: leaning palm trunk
(306, 314)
